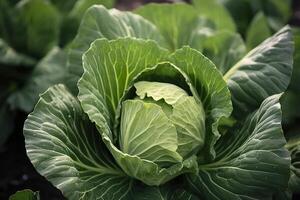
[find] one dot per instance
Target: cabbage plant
(33, 37)
(154, 118)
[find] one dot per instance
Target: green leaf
(264, 71)
(278, 12)
(251, 161)
(211, 88)
(224, 49)
(170, 93)
(216, 12)
(166, 192)
(6, 16)
(258, 31)
(37, 27)
(293, 146)
(290, 106)
(82, 5)
(189, 119)
(25, 195)
(174, 21)
(65, 147)
(146, 132)
(110, 24)
(9, 57)
(73, 13)
(110, 67)
(185, 113)
(63, 6)
(49, 71)
(290, 100)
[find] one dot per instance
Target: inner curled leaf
(163, 124)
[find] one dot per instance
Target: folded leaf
(49, 71)
(293, 146)
(258, 31)
(110, 24)
(264, 71)
(216, 12)
(110, 67)
(251, 160)
(210, 87)
(25, 195)
(224, 49)
(65, 147)
(174, 21)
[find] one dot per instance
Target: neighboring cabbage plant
(33, 35)
(152, 118)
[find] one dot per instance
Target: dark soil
(17, 172)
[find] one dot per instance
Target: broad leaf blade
(174, 21)
(9, 57)
(110, 67)
(49, 71)
(293, 146)
(251, 162)
(290, 100)
(216, 12)
(25, 195)
(258, 31)
(65, 147)
(264, 71)
(36, 30)
(165, 192)
(110, 24)
(224, 49)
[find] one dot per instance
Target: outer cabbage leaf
(224, 49)
(82, 5)
(167, 192)
(293, 146)
(290, 100)
(277, 12)
(216, 12)
(31, 34)
(210, 87)
(49, 71)
(175, 22)
(110, 67)
(25, 195)
(65, 147)
(110, 24)
(258, 31)
(9, 57)
(251, 161)
(264, 71)
(73, 12)
(5, 19)
(13, 71)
